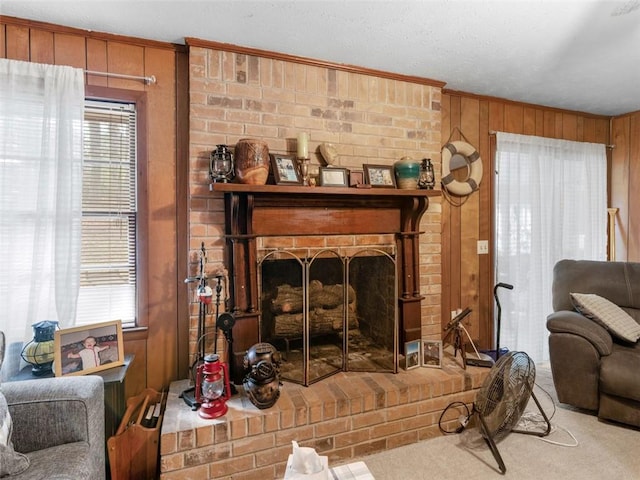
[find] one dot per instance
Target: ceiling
(581, 55)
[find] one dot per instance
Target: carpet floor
(579, 447)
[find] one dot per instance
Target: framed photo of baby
(88, 348)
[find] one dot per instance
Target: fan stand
(488, 437)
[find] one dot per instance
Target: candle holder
(303, 163)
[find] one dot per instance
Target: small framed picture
(285, 170)
(89, 348)
(356, 177)
(412, 354)
(432, 353)
(334, 177)
(379, 176)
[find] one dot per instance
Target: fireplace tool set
(211, 376)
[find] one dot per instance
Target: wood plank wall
(467, 278)
(625, 175)
(45, 43)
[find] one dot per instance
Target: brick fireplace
(373, 118)
(346, 220)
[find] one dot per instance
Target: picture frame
(73, 356)
(285, 169)
(356, 177)
(412, 354)
(379, 176)
(431, 353)
(334, 177)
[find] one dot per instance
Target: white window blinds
(109, 214)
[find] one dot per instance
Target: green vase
(407, 172)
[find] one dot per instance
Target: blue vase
(407, 172)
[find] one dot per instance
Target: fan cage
(505, 393)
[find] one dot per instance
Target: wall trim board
(52, 27)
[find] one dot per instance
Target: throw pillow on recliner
(608, 314)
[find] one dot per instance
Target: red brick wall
(371, 120)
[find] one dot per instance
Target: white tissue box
(291, 474)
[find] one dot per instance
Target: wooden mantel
(253, 211)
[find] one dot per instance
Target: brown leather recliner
(591, 368)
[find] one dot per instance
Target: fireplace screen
(328, 313)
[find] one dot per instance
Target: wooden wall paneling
(3, 45)
(619, 184)
(558, 125)
(454, 220)
(569, 127)
(549, 128)
(136, 379)
(589, 130)
(469, 224)
(603, 131)
(128, 60)
(42, 46)
(445, 299)
(182, 206)
(17, 42)
(634, 179)
(70, 50)
(485, 229)
(496, 117)
(161, 187)
(539, 122)
(580, 128)
(97, 62)
(513, 118)
(529, 121)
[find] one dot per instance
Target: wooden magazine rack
(134, 449)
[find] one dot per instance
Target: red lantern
(212, 387)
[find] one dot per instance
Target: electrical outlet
(483, 247)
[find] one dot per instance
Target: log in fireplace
(291, 219)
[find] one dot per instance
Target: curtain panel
(41, 115)
(551, 203)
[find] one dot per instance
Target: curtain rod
(147, 80)
(493, 132)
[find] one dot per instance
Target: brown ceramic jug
(252, 161)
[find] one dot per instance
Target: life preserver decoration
(470, 156)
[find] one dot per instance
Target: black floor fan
(501, 401)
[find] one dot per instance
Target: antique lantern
(212, 387)
(221, 164)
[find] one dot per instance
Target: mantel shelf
(328, 191)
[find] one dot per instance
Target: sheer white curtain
(41, 111)
(551, 203)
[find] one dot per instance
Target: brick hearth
(346, 416)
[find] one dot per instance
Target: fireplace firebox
(328, 312)
(337, 229)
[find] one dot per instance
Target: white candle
(303, 145)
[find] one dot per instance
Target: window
(108, 270)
